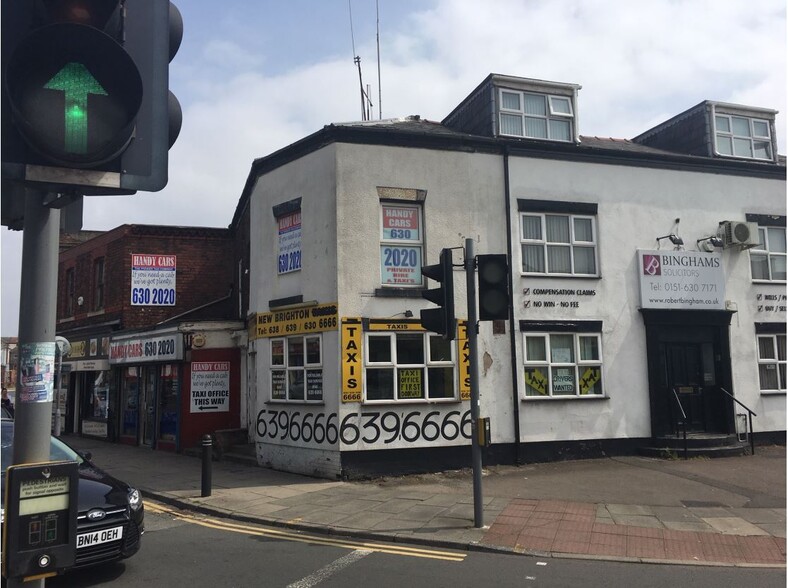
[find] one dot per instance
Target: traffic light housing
(86, 106)
(493, 287)
(440, 320)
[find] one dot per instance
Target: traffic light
(440, 320)
(493, 287)
(86, 101)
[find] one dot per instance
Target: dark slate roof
(416, 132)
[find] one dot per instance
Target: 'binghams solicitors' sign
(681, 280)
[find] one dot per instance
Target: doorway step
(698, 445)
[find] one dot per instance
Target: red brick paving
(570, 527)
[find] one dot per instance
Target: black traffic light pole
(37, 322)
(473, 332)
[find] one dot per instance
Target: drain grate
(701, 504)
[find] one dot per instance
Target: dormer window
(740, 136)
(536, 116)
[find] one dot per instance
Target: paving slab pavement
(724, 511)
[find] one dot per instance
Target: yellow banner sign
(389, 325)
(463, 360)
(296, 321)
(352, 362)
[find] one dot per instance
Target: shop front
(176, 385)
(86, 392)
(149, 368)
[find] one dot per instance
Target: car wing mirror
(86, 455)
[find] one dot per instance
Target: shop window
(768, 258)
(408, 367)
(168, 402)
(98, 284)
(129, 394)
(563, 364)
(558, 244)
(401, 245)
(297, 369)
(771, 363)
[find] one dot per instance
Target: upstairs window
(768, 259)
(536, 116)
(98, 284)
(70, 291)
(558, 244)
(401, 245)
(739, 136)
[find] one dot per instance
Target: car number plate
(98, 537)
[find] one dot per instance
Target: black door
(685, 384)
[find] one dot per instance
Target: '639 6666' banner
(153, 279)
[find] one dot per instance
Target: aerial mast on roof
(366, 102)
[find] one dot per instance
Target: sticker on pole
(37, 367)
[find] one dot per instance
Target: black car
(111, 515)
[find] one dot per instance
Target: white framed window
(408, 367)
(562, 364)
(297, 369)
(537, 116)
(771, 363)
(401, 245)
(741, 136)
(768, 259)
(558, 244)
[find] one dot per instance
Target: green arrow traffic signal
(76, 82)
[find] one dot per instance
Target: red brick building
(153, 321)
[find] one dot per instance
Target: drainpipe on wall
(512, 322)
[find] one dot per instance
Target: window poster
(153, 279)
(289, 242)
(400, 248)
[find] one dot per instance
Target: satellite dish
(63, 345)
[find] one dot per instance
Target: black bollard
(207, 445)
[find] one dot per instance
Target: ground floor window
(129, 398)
(408, 367)
(563, 364)
(771, 363)
(168, 402)
(297, 369)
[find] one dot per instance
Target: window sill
(562, 276)
(584, 398)
(98, 312)
(773, 392)
(399, 292)
(294, 403)
(769, 282)
(415, 401)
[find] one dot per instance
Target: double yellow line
(285, 535)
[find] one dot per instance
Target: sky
(253, 76)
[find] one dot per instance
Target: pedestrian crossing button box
(40, 526)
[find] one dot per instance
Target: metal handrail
(683, 422)
(752, 414)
